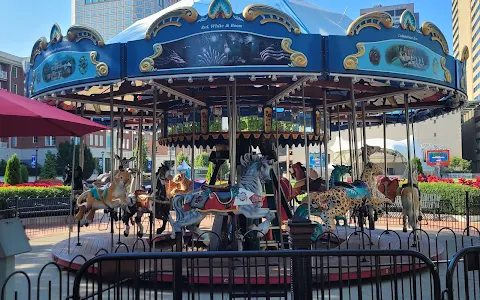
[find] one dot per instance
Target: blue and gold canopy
(189, 56)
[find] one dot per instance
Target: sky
(24, 21)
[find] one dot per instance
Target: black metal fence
(380, 270)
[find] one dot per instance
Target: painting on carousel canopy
(81, 57)
(375, 46)
(187, 38)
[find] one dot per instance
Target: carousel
(246, 81)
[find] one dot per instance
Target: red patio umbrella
(20, 116)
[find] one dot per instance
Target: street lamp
(103, 162)
(36, 163)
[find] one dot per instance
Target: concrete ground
(58, 287)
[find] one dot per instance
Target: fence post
(467, 212)
(178, 269)
(300, 238)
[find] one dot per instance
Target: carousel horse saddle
(96, 193)
(224, 197)
(217, 188)
(408, 185)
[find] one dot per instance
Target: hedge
(452, 197)
(34, 192)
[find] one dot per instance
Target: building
(466, 32)
(442, 133)
(394, 10)
(109, 17)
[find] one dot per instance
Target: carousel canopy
(311, 18)
(186, 61)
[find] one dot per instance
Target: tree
(418, 163)
(24, 173)
(144, 153)
(201, 160)
(12, 171)
(182, 157)
(459, 165)
(3, 167)
(64, 157)
(49, 168)
(209, 172)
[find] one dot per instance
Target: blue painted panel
(392, 53)
(220, 45)
(66, 64)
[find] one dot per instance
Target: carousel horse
(104, 178)
(410, 195)
(181, 185)
(110, 196)
(138, 204)
(298, 172)
(245, 198)
(338, 172)
(162, 201)
(339, 200)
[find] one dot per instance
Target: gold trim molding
(373, 19)
(351, 62)
(298, 59)
(101, 67)
(148, 63)
(270, 15)
(446, 72)
(436, 34)
(77, 33)
(172, 18)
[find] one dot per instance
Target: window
(101, 141)
(434, 121)
(147, 137)
(14, 141)
(14, 72)
(35, 139)
(128, 144)
(91, 140)
(50, 141)
(96, 140)
(14, 89)
(434, 134)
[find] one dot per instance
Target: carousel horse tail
(82, 199)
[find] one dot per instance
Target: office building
(394, 10)
(109, 17)
(466, 32)
(11, 73)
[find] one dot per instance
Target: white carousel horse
(110, 196)
(410, 195)
(104, 178)
(245, 198)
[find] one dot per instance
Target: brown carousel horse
(298, 172)
(110, 196)
(179, 185)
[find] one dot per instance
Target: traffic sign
(149, 166)
(33, 163)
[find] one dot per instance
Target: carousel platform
(272, 270)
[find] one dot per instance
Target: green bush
(24, 173)
(452, 196)
(12, 172)
(48, 170)
(34, 192)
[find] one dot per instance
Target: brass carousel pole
(407, 125)
(112, 159)
(385, 158)
(325, 136)
(364, 134)
(352, 165)
(354, 126)
(279, 175)
(140, 152)
(233, 166)
(192, 176)
(122, 119)
(307, 155)
(81, 154)
(154, 159)
(72, 194)
(339, 135)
